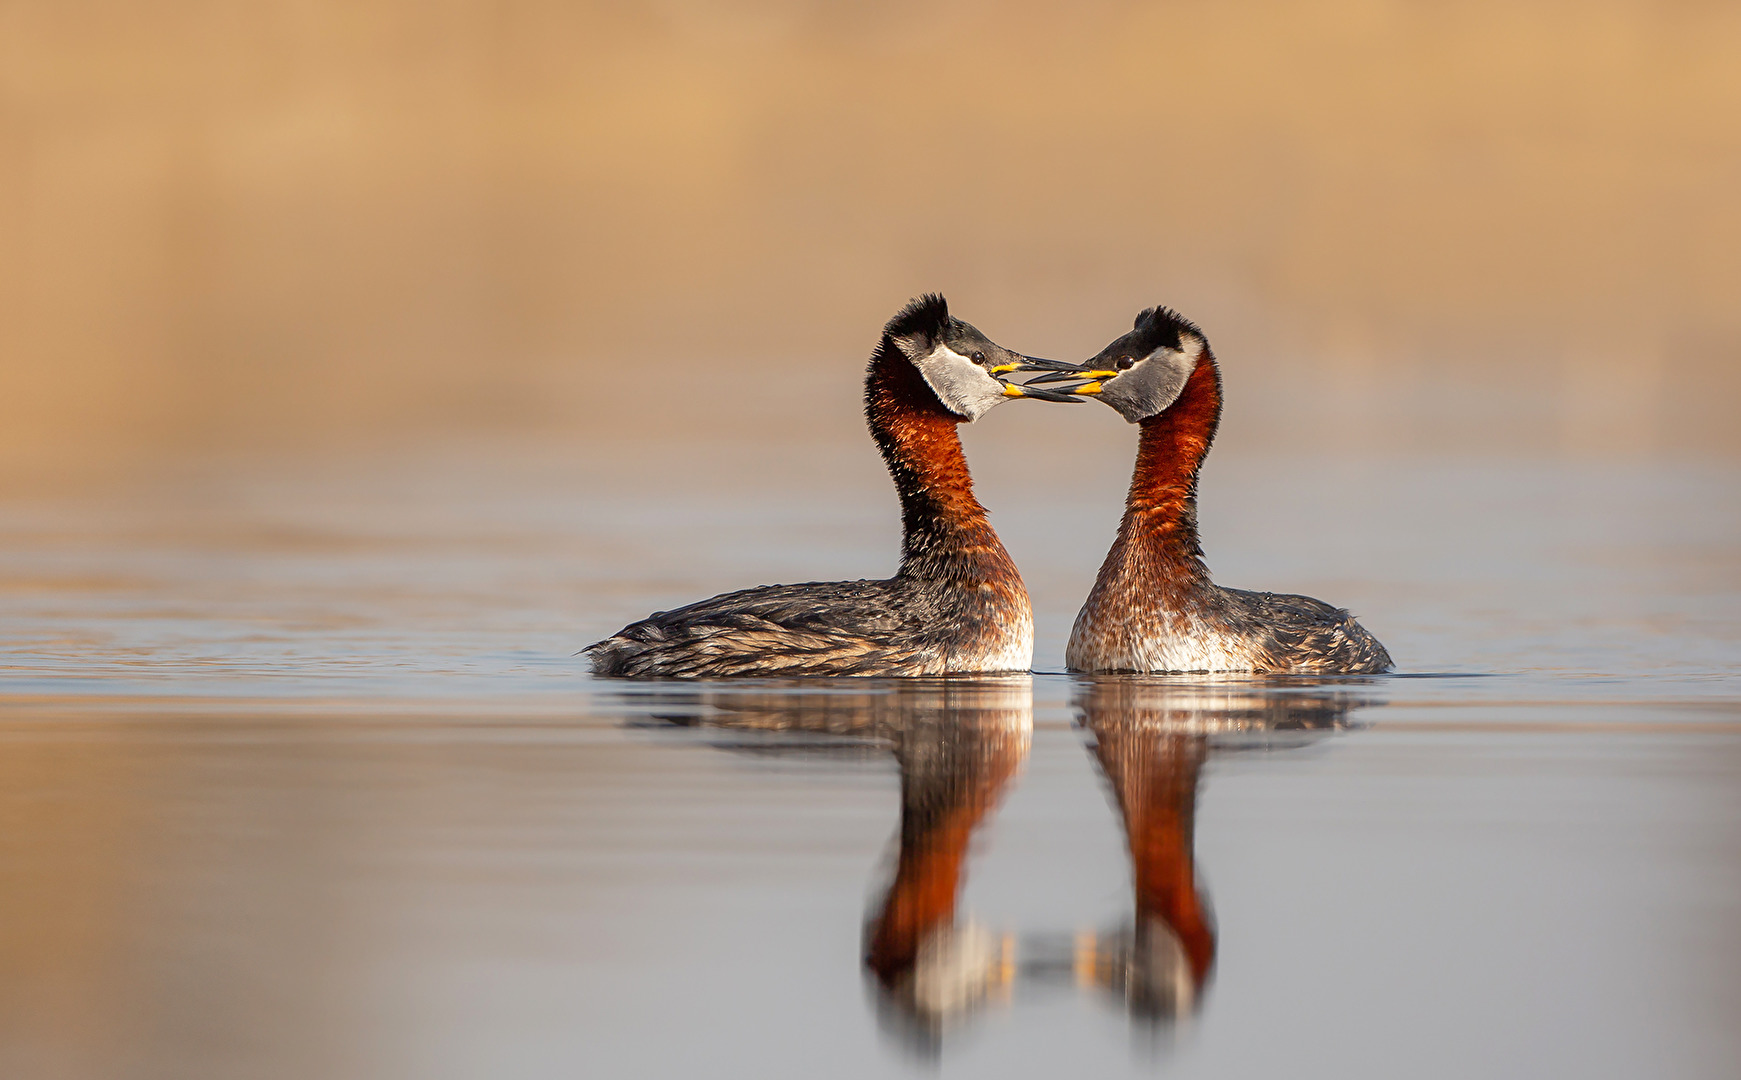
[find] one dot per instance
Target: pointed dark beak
(1035, 363)
(1028, 390)
(1026, 363)
(1084, 378)
(1058, 375)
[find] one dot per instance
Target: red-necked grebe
(1153, 608)
(957, 604)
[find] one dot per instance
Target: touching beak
(1029, 390)
(1057, 371)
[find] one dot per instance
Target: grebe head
(1141, 373)
(963, 367)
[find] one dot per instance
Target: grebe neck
(1160, 512)
(941, 521)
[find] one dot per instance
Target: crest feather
(925, 316)
(1164, 326)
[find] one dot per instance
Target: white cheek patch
(1153, 383)
(963, 386)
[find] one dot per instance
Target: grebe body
(957, 603)
(1153, 607)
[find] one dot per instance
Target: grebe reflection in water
(1153, 607)
(957, 603)
(1150, 740)
(959, 744)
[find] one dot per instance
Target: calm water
(301, 778)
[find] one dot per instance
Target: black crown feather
(926, 315)
(1164, 326)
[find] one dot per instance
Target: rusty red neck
(942, 523)
(1160, 512)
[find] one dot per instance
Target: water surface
(302, 778)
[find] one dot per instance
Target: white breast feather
(1178, 642)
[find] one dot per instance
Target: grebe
(1153, 608)
(957, 604)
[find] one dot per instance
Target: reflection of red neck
(922, 896)
(1155, 780)
(1166, 882)
(938, 816)
(917, 436)
(1160, 516)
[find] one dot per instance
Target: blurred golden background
(351, 234)
(298, 223)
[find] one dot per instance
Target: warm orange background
(282, 224)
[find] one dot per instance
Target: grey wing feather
(1305, 635)
(817, 628)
